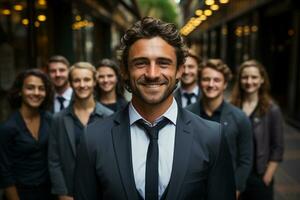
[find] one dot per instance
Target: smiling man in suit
(153, 149)
(214, 76)
(69, 125)
(189, 91)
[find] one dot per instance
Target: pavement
(287, 177)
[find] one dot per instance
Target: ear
(179, 72)
(225, 85)
(124, 73)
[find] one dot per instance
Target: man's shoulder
(101, 127)
(237, 112)
(205, 128)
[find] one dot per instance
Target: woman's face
(33, 92)
(251, 80)
(107, 79)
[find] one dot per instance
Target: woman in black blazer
(251, 94)
(109, 90)
(24, 138)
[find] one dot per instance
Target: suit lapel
(70, 132)
(225, 115)
(122, 146)
(182, 149)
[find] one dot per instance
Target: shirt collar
(67, 94)
(171, 114)
(195, 90)
(218, 110)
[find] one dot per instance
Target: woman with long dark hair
(24, 139)
(252, 94)
(109, 90)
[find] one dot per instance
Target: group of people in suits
(99, 146)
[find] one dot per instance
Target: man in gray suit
(153, 149)
(213, 78)
(68, 126)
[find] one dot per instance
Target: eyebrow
(145, 58)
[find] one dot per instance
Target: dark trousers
(256, 189)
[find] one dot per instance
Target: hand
(237, 194)
(267, 178)
(65, 197)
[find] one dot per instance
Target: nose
(82, 83)
(36, 91)
(249, 80)
(105, 79)
(185, 70)
(57, 73)
(211, 82)
(152, 71)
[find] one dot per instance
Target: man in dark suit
(68, 126)
(58, 71)
(214, 77)
(189, 91)
(153, 149)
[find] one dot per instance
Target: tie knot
(188, 95)
(152, 131)
(60, 99)
(61, 102)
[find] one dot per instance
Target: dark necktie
(61, 102)
(189, 97)
(151, 183)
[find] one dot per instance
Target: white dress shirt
(68, 97)
(140, 143)
(193, 99)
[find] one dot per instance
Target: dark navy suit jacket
(62, 149)
(238, 131)
(202, 167)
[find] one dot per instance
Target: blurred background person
(214, 77)
(109, 90)
(189, 91)
(58, 70)
(68, 126)
(251, 94)
(24, 138)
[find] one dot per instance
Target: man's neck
(84, 104)
(210, 105)
(61, 90)
(152, 112)
(189, 88)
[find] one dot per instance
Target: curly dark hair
(114, 66)
(237, 96)
(14, 97)
(218, 65)
(148, 28)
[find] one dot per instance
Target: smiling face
(251, 80)
(58, 73)
(152, 71)
(212, 83)
(83, 83)
(107, 79)
(190, 73)
(33, 92)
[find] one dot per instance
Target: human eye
(42, 88)
(164, 63)
(205, 79)
(140, 63)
